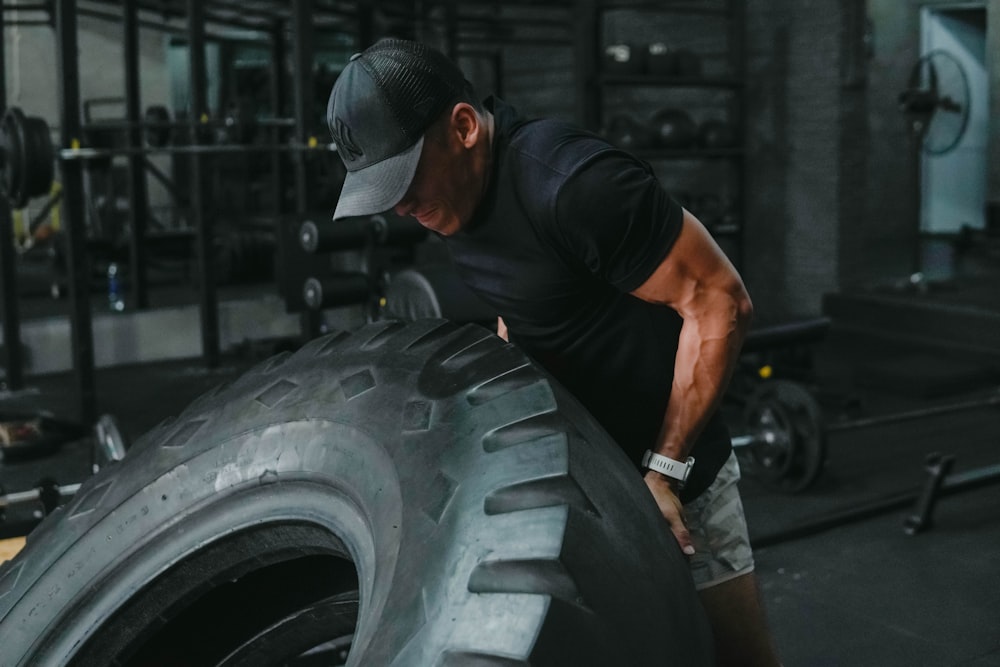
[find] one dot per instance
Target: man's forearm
(707, 352)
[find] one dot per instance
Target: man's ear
(465, 123)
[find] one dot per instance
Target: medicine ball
(717, 134)
(674, 128)
(660, 59)
(625, 132)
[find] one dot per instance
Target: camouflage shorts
(719, 530)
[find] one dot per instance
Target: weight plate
(41, 158)
(28, 157)
(158, 128)
(790, 448)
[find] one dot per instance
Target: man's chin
(445, 226)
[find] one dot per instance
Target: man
(595, 272)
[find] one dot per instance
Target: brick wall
(793, 51)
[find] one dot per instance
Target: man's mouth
(424, 215)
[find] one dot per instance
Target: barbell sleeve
(20, 497)
(337, 290)
(346, 234)
(393, 230)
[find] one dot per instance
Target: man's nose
(404, 206)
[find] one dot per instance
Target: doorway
(953, 182)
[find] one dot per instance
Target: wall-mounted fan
(936, 101)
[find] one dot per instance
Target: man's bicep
(694, 264)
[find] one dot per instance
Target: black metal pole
(138, 194)
(937, 467)
(302, 85)
(366, 24)
(3, 68)
(586, 47)
(278, 50)
(209, 303)
(10, 314)
(451, 29)
(783, 335)
(8, 272)
(81, 329)
(989, 400)
(949, 485)
(302, 53)
(738, 63)
(497, 62)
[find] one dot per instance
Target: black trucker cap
(381, 105)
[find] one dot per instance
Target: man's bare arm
(698, 281)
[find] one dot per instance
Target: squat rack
(272, 17)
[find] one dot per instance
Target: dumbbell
(350, 233)
(784, 445)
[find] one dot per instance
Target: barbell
(27, 154)
(785, 442)
(107, 446)
(235, 127)
(42, 499)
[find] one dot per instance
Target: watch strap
(665, 465)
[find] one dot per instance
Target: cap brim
(380, 186)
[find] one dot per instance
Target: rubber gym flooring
(862, 593)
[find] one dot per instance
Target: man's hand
(671, 508)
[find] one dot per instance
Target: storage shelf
(671, 81)
(687, 153)
(665, 8)
(719, 84)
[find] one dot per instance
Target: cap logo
(345, 143)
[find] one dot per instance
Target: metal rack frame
(270, 18)
(287, 26)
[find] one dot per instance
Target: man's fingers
(674, 514)
(683, 538)
(502, 329)
(672, 510)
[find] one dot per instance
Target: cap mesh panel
(418, 82)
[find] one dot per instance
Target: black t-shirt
(569, 226)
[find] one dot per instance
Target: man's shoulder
(555, 147)
(544, 155)
(543, 150)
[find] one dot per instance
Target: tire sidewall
(181, 511)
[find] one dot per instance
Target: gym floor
(863, 593)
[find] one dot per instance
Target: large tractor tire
(420, 494)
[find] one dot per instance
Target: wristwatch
(667, 466)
